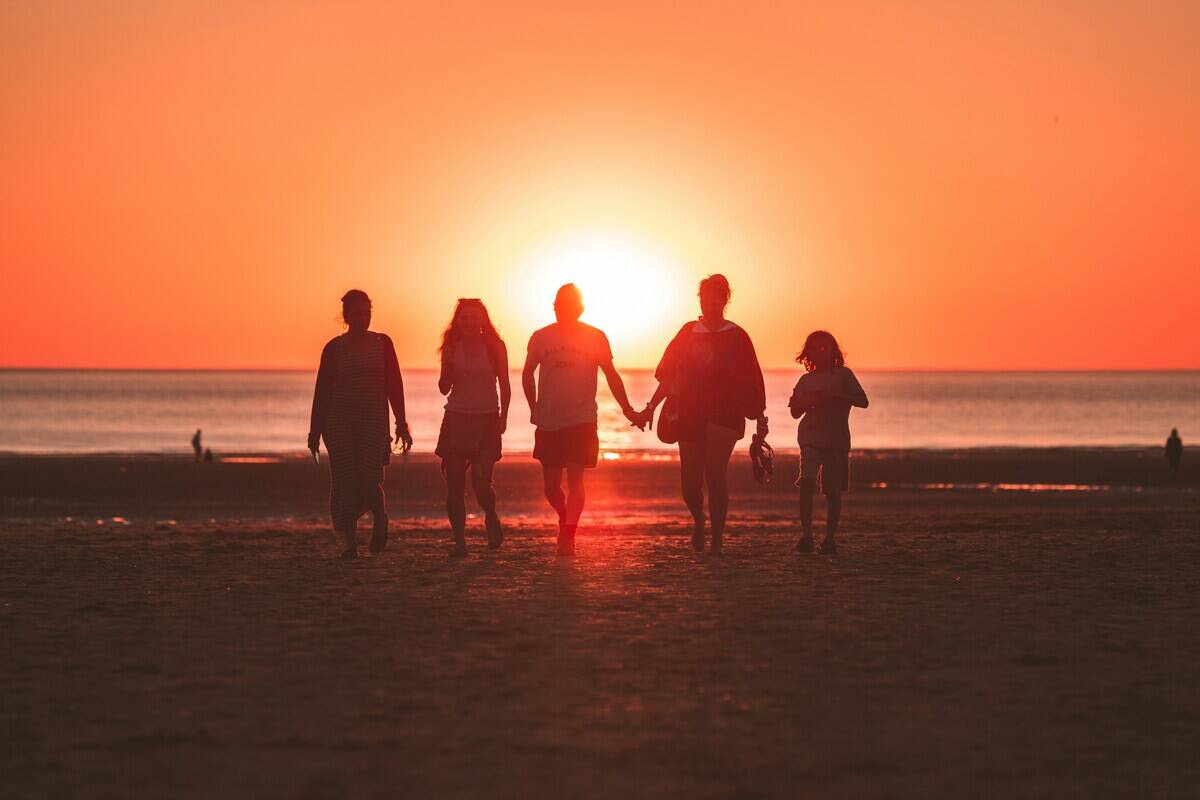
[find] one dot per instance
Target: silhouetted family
(709, 384)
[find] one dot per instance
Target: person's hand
(314, 442)
(403, 437)
(648, 414)
(502, 423)
(762, 429)
(636, 418)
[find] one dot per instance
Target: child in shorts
(821, 401)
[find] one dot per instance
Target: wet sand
(991, 642)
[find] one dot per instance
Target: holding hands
(639, 419)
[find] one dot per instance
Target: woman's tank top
(474, 390)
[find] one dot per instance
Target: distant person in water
(358, 377)
(474, 365)
(712, 382)
(196, 446)
(821, 401)
(1174, 449)
(208, 455)
(562, 404)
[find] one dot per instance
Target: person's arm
(505, 386)
(660, 394)
(797, 404)
(322, 393)
(665, 373)
(395, 394)
(756, 387)
(854, 393)
(528, 383)
(446, 375)
(617, 387)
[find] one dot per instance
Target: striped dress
(350, 412)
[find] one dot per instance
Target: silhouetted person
(562, 405)
(358, 377)
(821, 401)
(474, 366)
(712, 382)
(208, 455)
(196, 448)
(1174, 449)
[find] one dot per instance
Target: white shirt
(568, 356)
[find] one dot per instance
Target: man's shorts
(576, 446)
(826, 467)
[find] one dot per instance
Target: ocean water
(84, 411)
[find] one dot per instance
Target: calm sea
(78, 411)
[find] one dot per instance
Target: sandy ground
(984, 643)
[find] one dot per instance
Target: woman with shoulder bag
(711, 381)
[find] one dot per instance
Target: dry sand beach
(169, 629)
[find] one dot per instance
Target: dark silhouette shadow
(821, 401)
(358, 379)
(474, 378)
(710, 383)
(1174, 449)
(565, 356)
(196, 446)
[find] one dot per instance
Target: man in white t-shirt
(562, 405)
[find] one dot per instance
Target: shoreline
(630, 488)
(632, 453)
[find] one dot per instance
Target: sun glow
(633, 291)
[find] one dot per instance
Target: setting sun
(632, 290)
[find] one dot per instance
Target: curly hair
(451, 335)
(810, 344)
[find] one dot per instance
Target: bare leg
(716, 465)
(834, 511)
(575, 495)
(485, 494)
(807, 489)
(691, 480)
(456, 504)
(377, 503)
(552, 477)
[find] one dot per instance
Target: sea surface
(89, 411)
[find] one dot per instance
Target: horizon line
(792, 367)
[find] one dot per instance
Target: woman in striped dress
(358, 378)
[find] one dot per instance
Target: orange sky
(943, 185)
